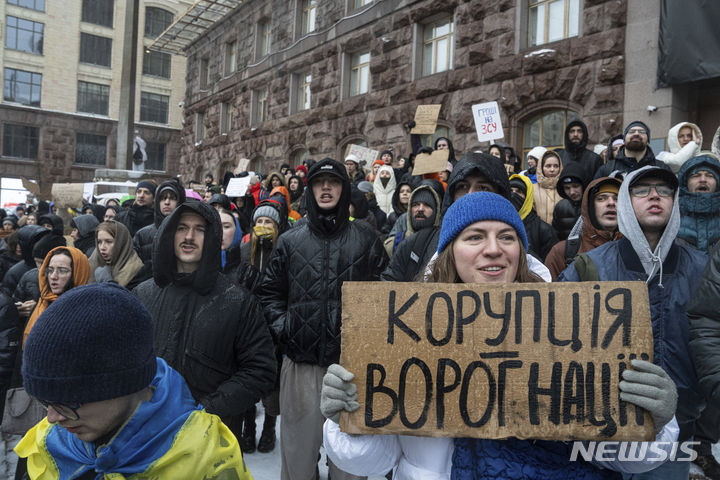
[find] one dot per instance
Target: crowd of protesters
(239, 298)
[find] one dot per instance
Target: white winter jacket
(679, 155)
(384, 195)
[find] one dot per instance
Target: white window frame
(259, 106)
(199, 127)
(231, 55)
(570, 29)
(226, 115)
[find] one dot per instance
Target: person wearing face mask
(384, 188)
(545, 191)
(482, 240)
(114, 259)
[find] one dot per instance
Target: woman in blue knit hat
(482, 240)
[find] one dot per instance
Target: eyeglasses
(639, 131)
(67, 411)
(61, 271)
(644, 190)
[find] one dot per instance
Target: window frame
(301, 92)
(569, 115)
(161, 61)
(105, 95)
(17, 3)
(90, 53)
(226, 116)
(359, 68)
(31, 84)
(32, 143)
(204, 73)
(433, 41)
(152, 21)
(200, 130)
(102, 142)
(262, 40)
(33, 34)
(93, 8)
(151, 162)
(308, 15)
(148, 110)
(528, 5)
(231, 57)
(259, 106)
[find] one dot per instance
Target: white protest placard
(367, 154)
(487, 121)
(237, 187)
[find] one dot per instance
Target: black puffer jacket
(414, 253)
(143, 239)
(206, 327)
(588, 160)
(704, 320)
(28, 288)
(566, 211)
(28, 236)
(303, 279)
(624, 164)
(10, 331)
(136, 217)
(541, 236)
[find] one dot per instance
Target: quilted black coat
(301, 289)
(205, 326)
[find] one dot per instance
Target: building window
(440, 131)
(204, 73)
(301, 92)
(438, 46)
(199, 127)
(156, 64)
(298, 157)
(551, 20)
(359, 73)
(230, 57)
(93, 98)
(90, 149)
(20, 141)
(226, 114)
(95, 50)
(157, 21)
(99, 12)
(257, 164)
(309, 11)
(22, 87)
(263, 39)
(360, 3)
(155, 156)
(32, 4)
(154, 107)
(546, 129)
(24, 35)
(259, 111)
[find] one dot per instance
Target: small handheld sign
(487, 121)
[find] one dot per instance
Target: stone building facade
(62, 63)
(491, 59)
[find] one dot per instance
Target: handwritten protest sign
(242, 165)
(487, 121)
(426, 119)
(237, 187)
(32, 187)
(431, 163)
(362, 153)
(68, 194)
(533, 360)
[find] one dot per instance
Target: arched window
(351, 140)
(440, 131)
(546, 129)
(257, 164)
(157, 20)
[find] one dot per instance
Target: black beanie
(424, 195)
(636, 123)
(47, 243)
(93, 343)
(147, 184)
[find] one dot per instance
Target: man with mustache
(422, 214)
(649, 218)
(206, 326)
(635, 153)
(575, 151)
(598, 226)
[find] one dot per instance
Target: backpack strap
(586, 268)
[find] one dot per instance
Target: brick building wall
(584, 74)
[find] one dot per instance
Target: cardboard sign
(68, 194)
(487, 121)
(31, 187)
(431, 163)
(367, 154)
(426, 119)
(237, 187)
(242, 165)
(524, 360)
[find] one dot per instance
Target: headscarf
(80, 276)
(125, 262)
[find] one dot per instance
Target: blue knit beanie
(475, 207)
(93, 343)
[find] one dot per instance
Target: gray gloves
(338, 393)
(649, 387)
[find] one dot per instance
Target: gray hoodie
(628, 225)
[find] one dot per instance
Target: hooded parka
(206, 327)
(588, 160)
(700, 212)
(677, 155)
